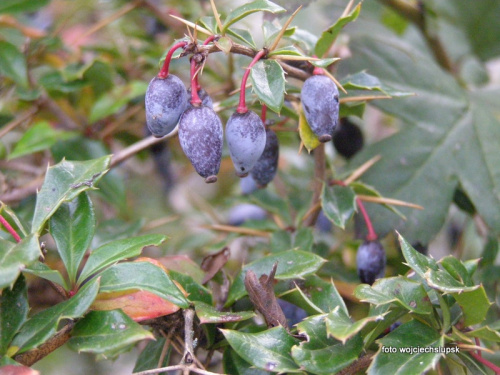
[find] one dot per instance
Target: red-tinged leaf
(139, 306)
(17, 370)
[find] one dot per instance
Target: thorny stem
(242, 106)
(371, 236)
(195, 99)
(164, 70)
(9, 228)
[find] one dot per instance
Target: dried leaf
(261, 293)
(212, 263)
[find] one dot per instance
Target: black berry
(348, 138)
(265, 169)
(371, 261)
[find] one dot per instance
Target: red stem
(195, 99)
(9, 228)
(209, 39)
(317, 70)
(263, 114)
(164, 69)
(371, 236)
(485, 362)
(242, 106)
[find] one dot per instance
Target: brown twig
(19, 120)
(362, 363)
(60, 338)
(416, 15)
(137, 147)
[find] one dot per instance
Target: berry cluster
(253, 147)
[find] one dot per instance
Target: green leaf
(268, 82)
(481, 38)
(115, 229)
(474, 304)
(45, 272)
(271, 202)
(352, 109)
(365, 81)
(416, 261)
(286, 51)
(40, 327)
(72, 227)
(40, 136)
(315, 295)
(323, 355)
(484, 333)
(151, 354)
(447, 139)
(13, 312)
(329, 35)
(209, 314)
(224, 44)
(407, 336)
(324, 63)
(242, 36)
(249, 8)
(268, 350)
(292, 264)
(444, 282)
(407, 293)
(281, 240)
(112, 252)
(100, 77)
(14, 6)
(235, 365)
(196, 291)
(106, 332)
(338, 203)
(112, 102)
(307, 136)
(340, 326)
(112, 185)
(304, 239)
(142, 276)
(15, 257)
(13, 62)
(63, 182)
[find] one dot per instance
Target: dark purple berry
(293, 313)
(206, 100)
(246, 138)
(320, 100)
(370, 261)
(348, 138)
(265, 169)
(245, 211)
(200, 135)
(323, 224)
(166, 100)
